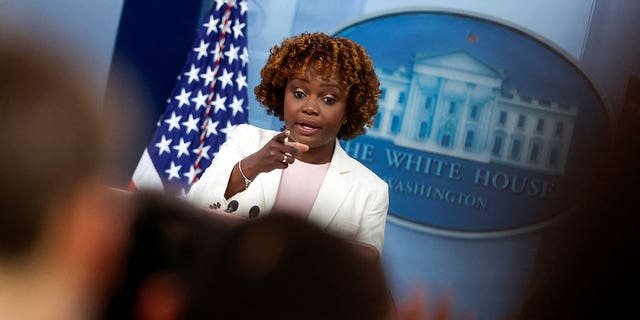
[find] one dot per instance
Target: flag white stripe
(145, 176)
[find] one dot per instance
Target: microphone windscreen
(233, 206)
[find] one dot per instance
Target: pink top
(299, 186)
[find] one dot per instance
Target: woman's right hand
(278, 153)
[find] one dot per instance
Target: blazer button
(254, 212)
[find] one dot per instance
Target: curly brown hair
(324, 55)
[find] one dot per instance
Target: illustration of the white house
(453, 104)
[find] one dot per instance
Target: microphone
(254, 212)
(233, 206)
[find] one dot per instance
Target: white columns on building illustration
(461, 130)
(453, 104)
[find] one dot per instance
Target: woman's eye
(298, 94)
(329, 100)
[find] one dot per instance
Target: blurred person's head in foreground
(59, 240)
(282, 267)
(172, 247)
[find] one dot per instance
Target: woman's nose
(310, 107)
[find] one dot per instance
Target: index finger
(280, 137)
(300, 147)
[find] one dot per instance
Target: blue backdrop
(475, 233)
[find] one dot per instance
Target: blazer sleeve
(210, 188)
(374, 220)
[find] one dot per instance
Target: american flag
(208, 101)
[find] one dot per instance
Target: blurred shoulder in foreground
(60, 236)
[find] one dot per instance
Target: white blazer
(352, 201)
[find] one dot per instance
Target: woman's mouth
(306, 128)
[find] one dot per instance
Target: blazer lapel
(270, 183)
(335, 188)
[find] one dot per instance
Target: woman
(324, 89)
